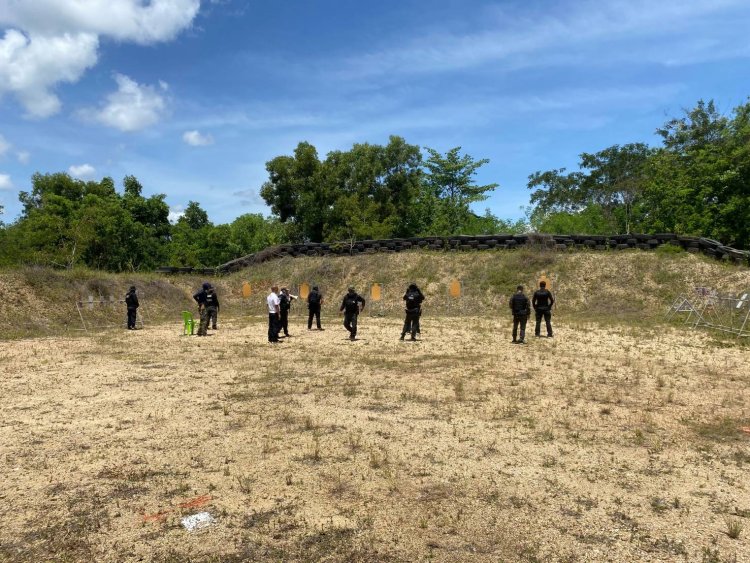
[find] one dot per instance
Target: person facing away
(274, 313)
(200, 299)
(413, 308)
(131, 302)
(542, 302)
(350, 305)
(285, 303)
(519, 306)
(314, 302)
(212, 307)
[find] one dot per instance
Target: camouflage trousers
(203, 327)
(213, 313)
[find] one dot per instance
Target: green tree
(591, 220)
(450, 189)
(66, 221)
(613, 180)
(132, 186)
(700, 177)
(373, 188)
(364, 192)
(296, 193)
(252, 232)
(194, 217)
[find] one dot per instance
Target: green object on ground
(187, 318)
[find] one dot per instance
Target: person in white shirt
(274, 312)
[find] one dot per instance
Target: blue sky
(193, 97)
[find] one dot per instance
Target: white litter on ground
(197, 521)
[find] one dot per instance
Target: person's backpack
(412, 301)
(520, 305)
(351, 303)
(210, 299)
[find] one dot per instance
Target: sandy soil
(597, 445)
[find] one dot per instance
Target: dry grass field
(618, 440)
(606, 443)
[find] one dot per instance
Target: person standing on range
(285, 303)
(542, 303)
(200, 298)
(314, 302)
(212, 307)
(274, 313)
(131, 302)
(351, 308)
(519, 306)
(413, 306)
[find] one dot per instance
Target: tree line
(371, 191)
(67, 222)
(696, 182)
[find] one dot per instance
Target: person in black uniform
(542, 303)
(131, 302)
(519, 306)
(351, 308)
(200, 299)
(314, 302)
(413, 307)
(285, 303)
(212, 307)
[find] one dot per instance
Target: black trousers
(284, 322)
(519, 320)
(313, 312)
(273, 327)
(547, 316)
(411, 324)
(131, 317)
(350, 323)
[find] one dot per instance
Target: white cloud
(47, 42)
(124, 20)
(4, 146)
(82, 171)
(5, 182)
(196, 139)
(588, 31)
(132, 107)
(175, 213)
(30, 68)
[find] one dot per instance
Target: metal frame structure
(90, 304)
(709, 308)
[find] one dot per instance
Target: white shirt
(273, 302)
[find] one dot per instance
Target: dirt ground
(601, 444)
